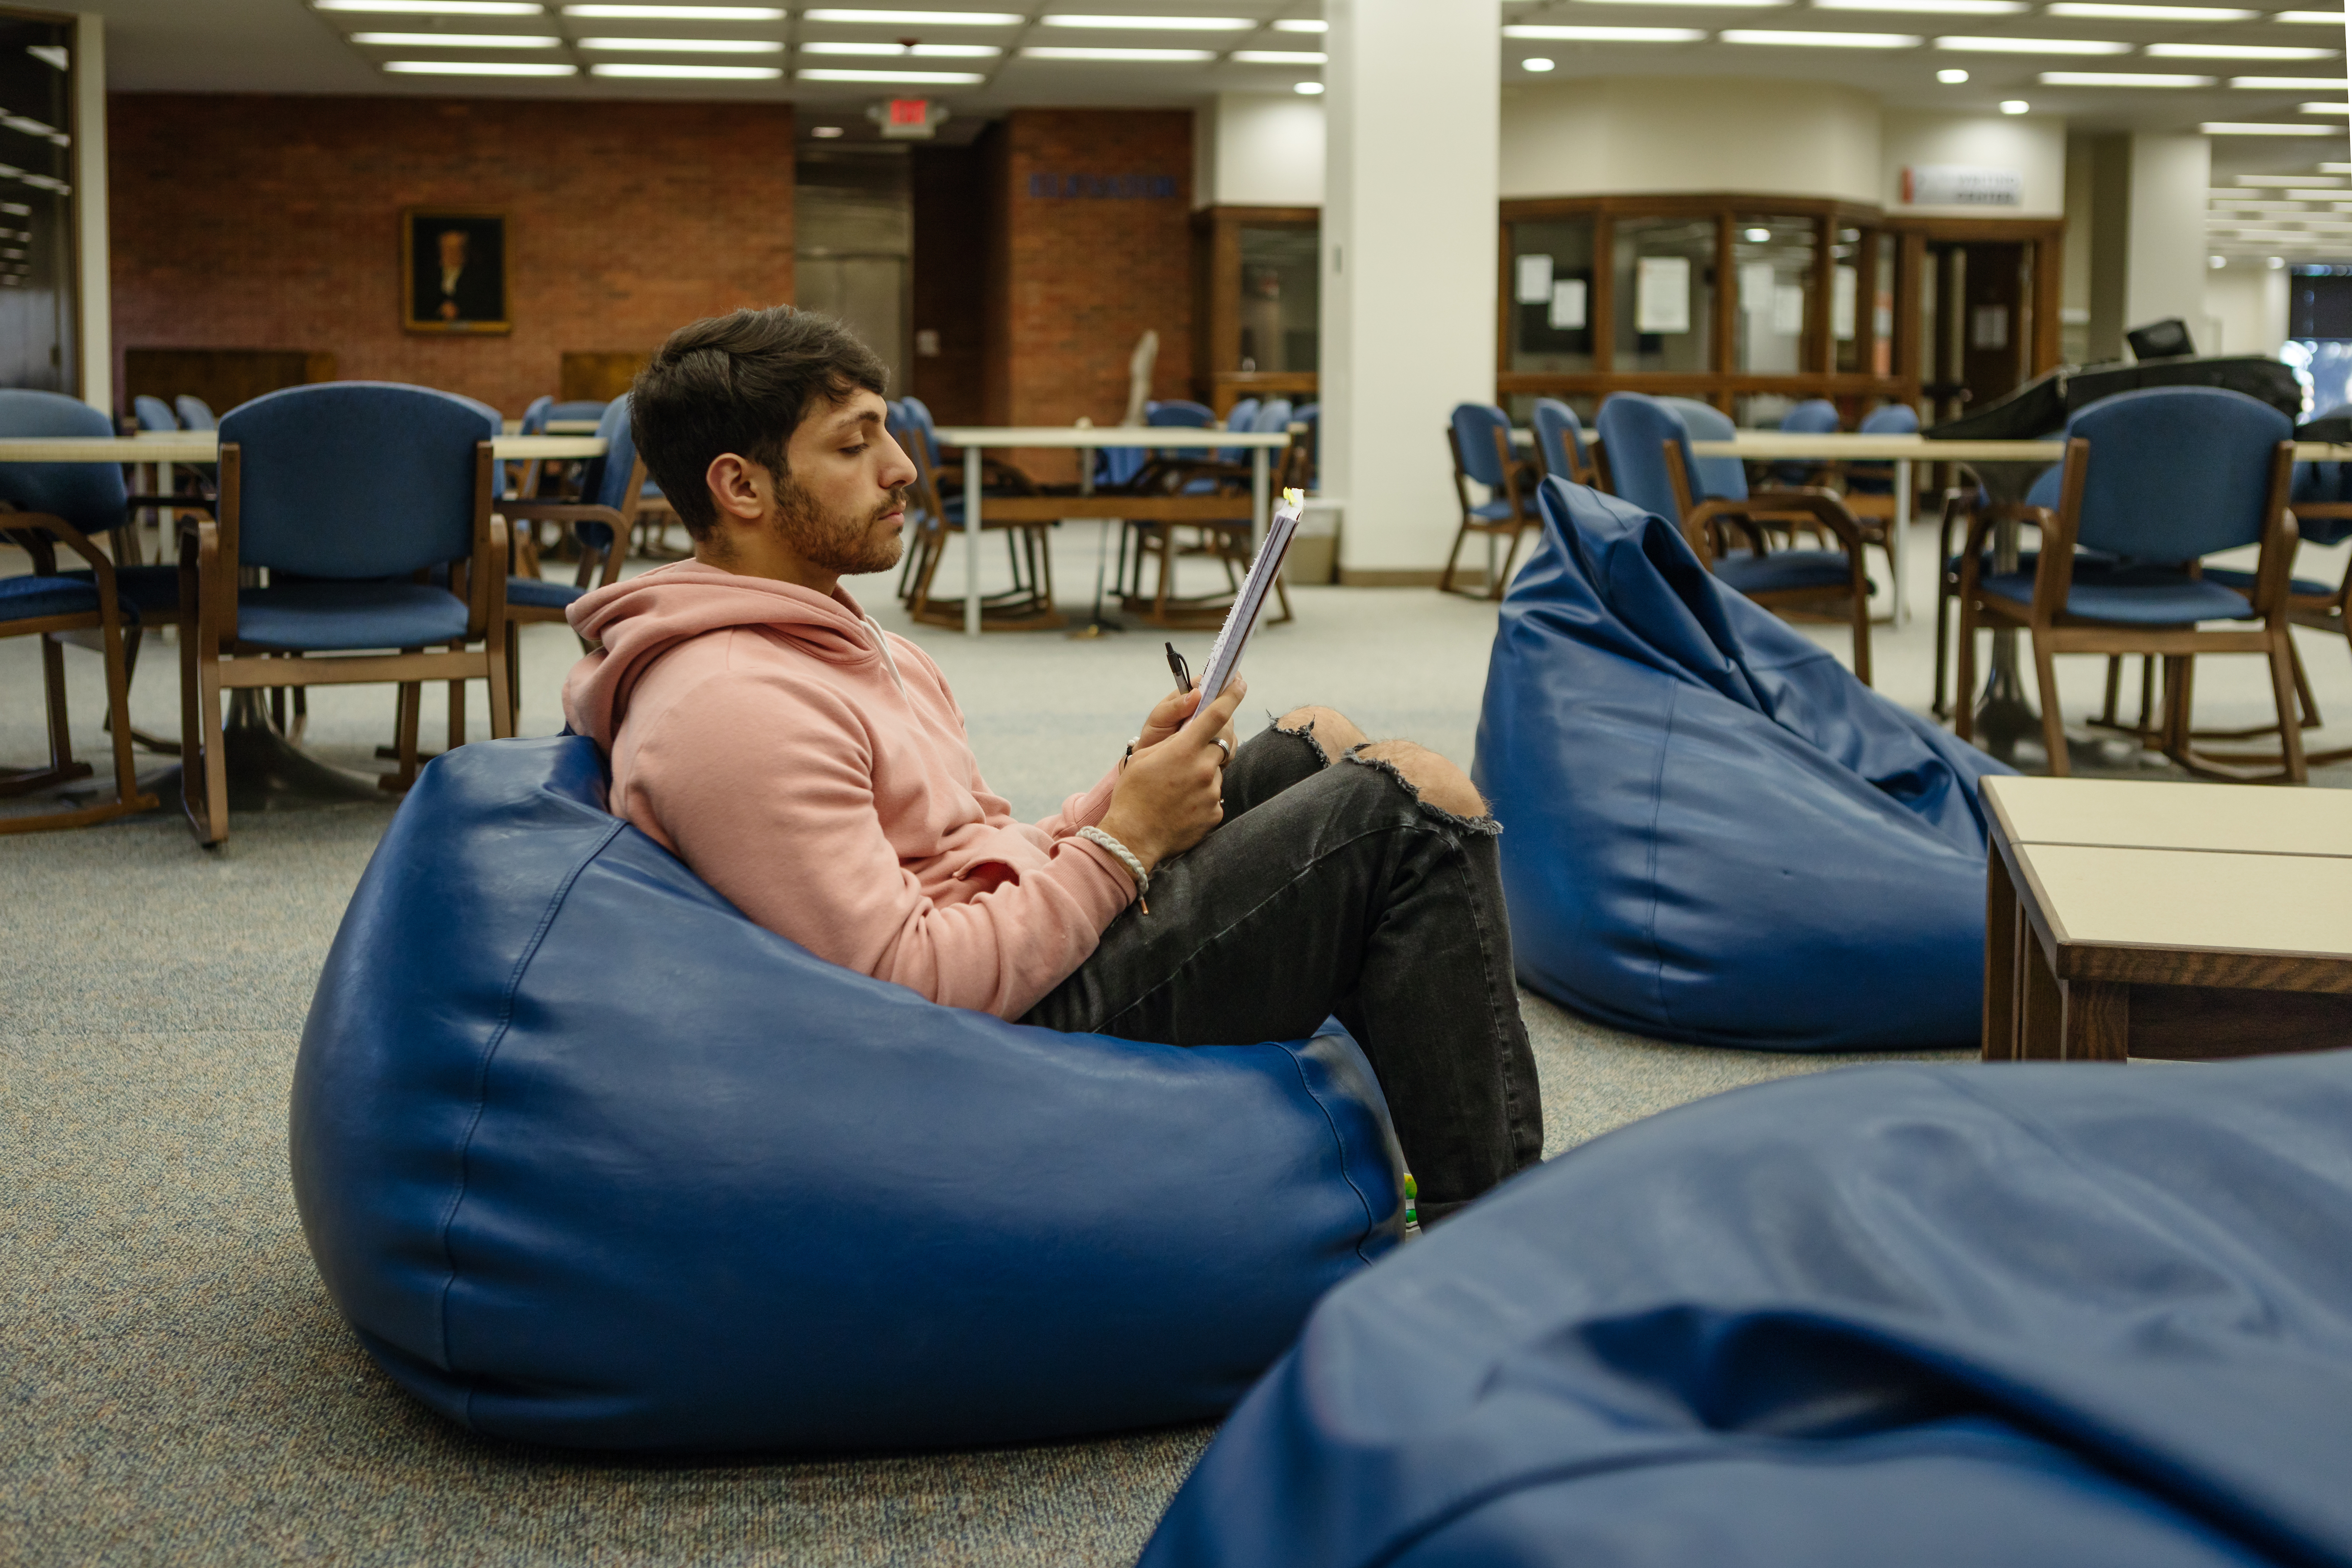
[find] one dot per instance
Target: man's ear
(739, 488)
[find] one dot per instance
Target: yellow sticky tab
(1295, 496)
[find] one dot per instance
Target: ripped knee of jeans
(1306, 732)
(1483, 822)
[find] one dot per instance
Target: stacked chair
(1478, 437)
(1652, 465)
(2154, 481)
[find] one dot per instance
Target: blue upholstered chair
(2158, 479)
(154, 414)
(1968, 518)
(1869, 488)
(195, 413)
(611, 488)
(935, 511)
(1814, 416)
(1559, 441)
(520, 479)
(1310, 415)
(42, 507)
(347, 493)
(1651, 464)
(1180, 414)
(1479, 439)
(1240, 417)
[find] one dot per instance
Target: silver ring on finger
(1226, 746)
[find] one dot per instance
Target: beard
(849, 542)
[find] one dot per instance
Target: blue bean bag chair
(1712, 833)
(1994, 1316)
(588, 1158)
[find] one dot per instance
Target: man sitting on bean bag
(813, 769)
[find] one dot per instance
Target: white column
(1409, 267)
(2165, 241)
(95, 286)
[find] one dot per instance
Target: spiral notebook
(1225, 654)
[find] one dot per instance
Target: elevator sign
(1962, 186)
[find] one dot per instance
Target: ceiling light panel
(2292, 83)
(2033, 45)
(920, 79)
(456, 40)
(1929, 7)
(921, 51)
(1609, 35)
(2285, 180)
(1818, 40)
(918, 18)
(647, 71)
(479, 67)
(1704, 4)
(2238, 52)
(2121, 79)
(604, 13)
(1301, 25)
(2310, 18)
(437, 8)
(1155, 24)
(1129, 57)
(1279, 57)
(2243, 127)
(2108, 13)
(683, 45)
(2324, 108)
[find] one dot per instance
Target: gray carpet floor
(177, 1386)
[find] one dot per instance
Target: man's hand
(1169, 797)
(1168, 717)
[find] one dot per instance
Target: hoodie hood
(639, 620)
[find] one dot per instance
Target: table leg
(2041, 1004)
(1258, 515)
(2098, 1021)
(1898, 541)
(972, 541)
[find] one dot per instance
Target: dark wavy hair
(740, 383)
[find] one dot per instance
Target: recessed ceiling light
(1928, 7)
(1311, 88)
(601, 13)
(1156, 24)
(2238, 52)
(2324, 168)
(2292, 83)
(1708, 4)
(1607, 35)
(456, 40)
(2276, 262)
(438, 7)
(1537, 64)
(920, 51)
(2216, 262)
(1951, 76)
(2326, 18)
(827, 132)
(644, 70)
(1756, 236)
(2332, 197)
(479, 67)
(2014, 106)
(2104, 11)
(2285, 180)
(683, 45)
(1133, 57)
(1818, 40)
(918, 19)
(1280, 57)
(2121, 79)
(2033, 45)
(2240, 128)
(922, 79)
(1301, 25)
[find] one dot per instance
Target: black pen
(1184, 671)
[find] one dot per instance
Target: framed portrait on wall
(452, 270)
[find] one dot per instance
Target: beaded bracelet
(1126, 857)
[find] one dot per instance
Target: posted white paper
(1844, 287)
(1756, 281)
(1661, 294)
(1567, 306)
(1535, 280)
(1788, 309)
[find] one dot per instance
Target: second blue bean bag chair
(1713, 833)
(588, 1158)
(1945, 1317)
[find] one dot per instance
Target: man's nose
(897, 468)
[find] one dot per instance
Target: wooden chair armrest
(36, 523)
(1824, 507)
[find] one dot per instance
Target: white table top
(2122, 813)
(204, 446)
(1850, 446)
(1104, 435)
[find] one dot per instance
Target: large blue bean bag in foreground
(588, 1158)
(1999, 1317)
(1713, 833)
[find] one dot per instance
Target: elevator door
(852, 225)
(1979, 331)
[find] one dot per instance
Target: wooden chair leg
(1964, 675)
(514, 671)
(500, 684)
(1937, 703)
(2172, 734)
(456, 705)
(2306, 704)
(1446, 578)
(2115, 687)
(213, 826)
(117, 707)
(53, 688)
(410, 703)
(1164, 534)
(2284, 690)
(2053, 720)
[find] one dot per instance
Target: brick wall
(953, 284)
(1095, 246)
(248, 221)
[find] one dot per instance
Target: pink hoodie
(813, 769)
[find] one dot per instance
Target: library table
(2166, 921)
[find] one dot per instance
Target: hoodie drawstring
(882, 639)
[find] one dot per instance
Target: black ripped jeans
(1331, 888)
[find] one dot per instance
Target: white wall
(2245, 308)
(2032, 144)
(2166, 240)
(1409, 267)
(97, 289)
(1599, 135)
(1259, 149)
